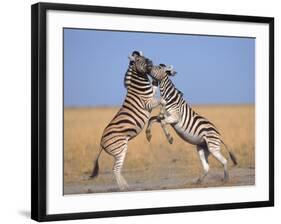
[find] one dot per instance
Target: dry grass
(83, 128)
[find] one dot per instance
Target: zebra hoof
(225, 179)
(124, 187)
(86, 178)
(148, 137)
(171, 140)
(199, 181)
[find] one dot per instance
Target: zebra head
(140, 63)
(159, 72)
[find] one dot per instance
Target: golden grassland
(83, 128)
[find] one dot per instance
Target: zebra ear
(170, 70)
(138, 53)
(172, 73)
(131, 58)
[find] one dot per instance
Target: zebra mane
(127, 77)
(179, 92)
(128, 74)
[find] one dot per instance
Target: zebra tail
(96, 168)
(231, 155)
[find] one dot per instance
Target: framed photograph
(141, 111)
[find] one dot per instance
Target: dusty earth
(167, 178)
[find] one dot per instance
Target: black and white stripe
(188, 124)
(132, 116)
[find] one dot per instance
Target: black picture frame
(38, 110)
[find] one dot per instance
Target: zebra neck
(165, 84)
(128, 76)
(136, 82)
(170, 93)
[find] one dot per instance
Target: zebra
(188, 124)
(132, 116)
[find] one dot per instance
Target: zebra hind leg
(203, 154)
(119, 160)
(223, 161)
(215, 151)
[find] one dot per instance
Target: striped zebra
(132, 116)
(189, 125)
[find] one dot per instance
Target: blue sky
(210, 69)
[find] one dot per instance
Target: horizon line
(119, 106)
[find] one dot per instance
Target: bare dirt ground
(173, 178)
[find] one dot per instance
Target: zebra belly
(190, 138)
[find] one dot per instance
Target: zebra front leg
(153, 103)
(161, 118)
(149, 125)
(172, 119)
(119, 160)
(163, 111)
(163, 125)
(167, 134)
